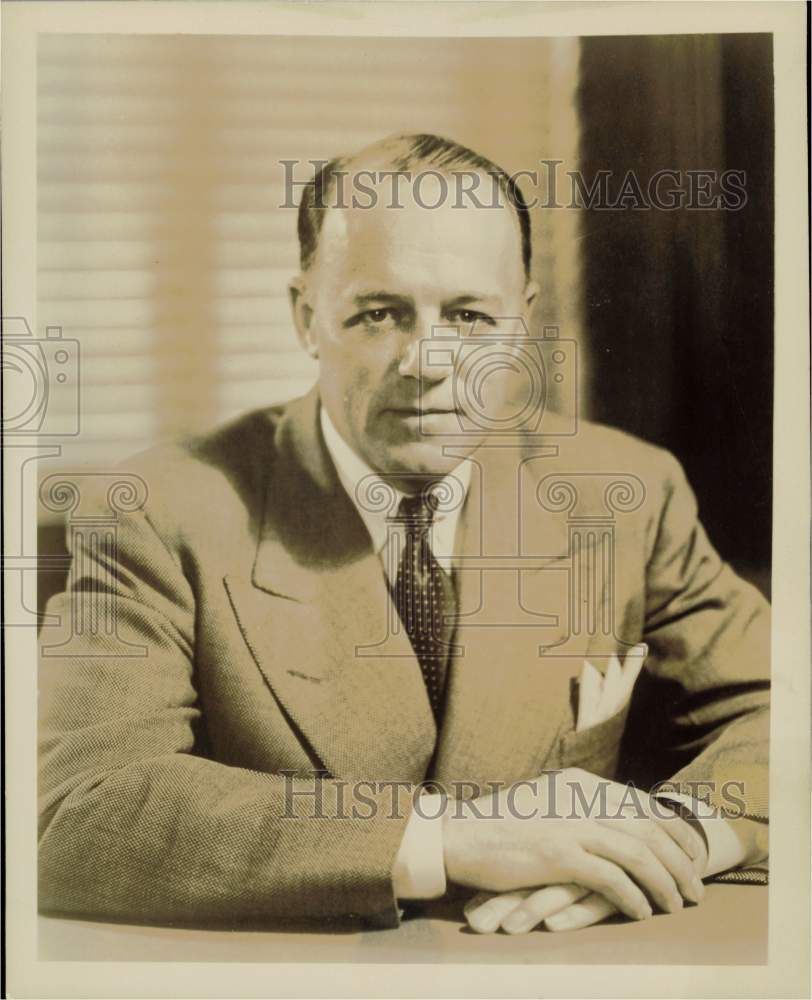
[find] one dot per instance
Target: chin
(420, 459)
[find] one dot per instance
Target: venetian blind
(163, 249)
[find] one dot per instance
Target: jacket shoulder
(595, 440)
(209, 478)
(604, 448)
(603, 468)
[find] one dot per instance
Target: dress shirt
(352, 469)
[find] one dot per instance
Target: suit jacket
(250, 642)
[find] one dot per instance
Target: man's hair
(405, 153)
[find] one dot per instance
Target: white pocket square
(600, 696)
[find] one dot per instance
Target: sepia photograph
(401, 498)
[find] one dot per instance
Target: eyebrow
(364, 300)
(360, 301)
(462, 300)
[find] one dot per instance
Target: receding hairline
(407, 200)
(400, 154)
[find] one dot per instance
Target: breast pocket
(597, 748)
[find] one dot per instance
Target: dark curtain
(679, 304)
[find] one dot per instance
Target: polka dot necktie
(424, 596)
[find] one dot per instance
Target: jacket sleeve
(709, 635)
(134, 823)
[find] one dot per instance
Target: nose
(416, 360)
(409, 364)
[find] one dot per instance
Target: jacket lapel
(317, 617)
(507, 703)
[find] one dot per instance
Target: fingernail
(699, 888)
(691, 892)
(643, 913)
(560, 924)
(485, 925)
(517, 924)
(674, 904)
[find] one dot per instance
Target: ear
(302, 314)
(530, 294)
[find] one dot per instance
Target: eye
(385, 316)
(380, 315)
(470, 316)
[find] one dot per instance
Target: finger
(588, 911)
(636, 858)
(672, 857)
(611, 881)
(665, 815)
(485, 912)
(661, 811)
(541, 904)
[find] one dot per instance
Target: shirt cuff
(419, 871)
(725, 850)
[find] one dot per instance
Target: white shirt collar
(352, 469)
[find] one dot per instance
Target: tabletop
(729, 927)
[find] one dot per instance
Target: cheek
(356, 388)
(483, 375)
(350, 388)
(358, 366)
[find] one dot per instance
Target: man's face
(382, 279)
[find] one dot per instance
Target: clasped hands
(568, 849)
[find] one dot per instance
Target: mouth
(420, 411)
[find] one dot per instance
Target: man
(373, 586)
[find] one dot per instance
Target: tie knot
(417, 510)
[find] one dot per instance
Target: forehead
(416, 242)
